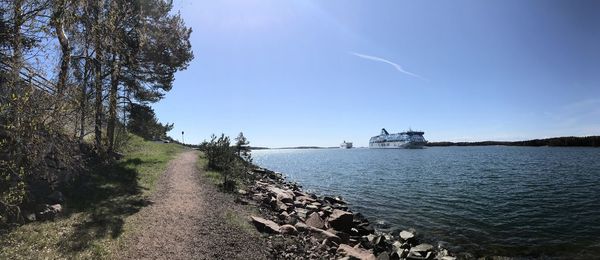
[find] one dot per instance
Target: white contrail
(398, 67)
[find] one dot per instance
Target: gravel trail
(187, 220)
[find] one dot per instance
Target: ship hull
(405, 140)
(397, 145)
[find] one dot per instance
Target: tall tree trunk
(17, 60)
(17, 55)
(112, 111)
(98, 102)
(58, 19)
(98, 49)
(83, 101)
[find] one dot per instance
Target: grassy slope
(97, 211)
(236, 220)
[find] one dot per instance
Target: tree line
(74, 72)
(587, 141)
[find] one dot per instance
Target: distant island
(587, 141)
(296, 147)
(568, 141)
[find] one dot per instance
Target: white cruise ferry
(408, 139)
(346, 145)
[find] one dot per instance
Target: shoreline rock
(324, 227)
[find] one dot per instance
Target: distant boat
(346, 145)
(408, 139)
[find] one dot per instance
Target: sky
(302, 72)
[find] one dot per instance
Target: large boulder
(345, 237)
(327, 236)
(265, 225)
(282, 195)
(314, 220)
(354, 252)
(341, 220)
(421, 248)
(334, 200)
(49, 212)
(280, 206)
(406, 235)
(365, 229)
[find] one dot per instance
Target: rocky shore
(301, 225)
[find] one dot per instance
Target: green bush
(224, 158)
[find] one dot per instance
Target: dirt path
(188, 220)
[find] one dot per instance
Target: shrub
(224, 158)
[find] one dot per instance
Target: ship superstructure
(408, 139)
(346, 145)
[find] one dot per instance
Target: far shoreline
(566, 141)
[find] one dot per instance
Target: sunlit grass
(98, 210)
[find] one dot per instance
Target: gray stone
(346, 250)
(326, 235)
(333, 200)
(265, 225)
(301, 227)
(314, 220)
(383, 256)
(302, 213)
(49, 212)
(406, 235)
(280, 206)
(312, 208)
(399, 254)
(284, 215)
(448, 258)
(421, 248)
(288, 230)
(397, 245)
(30, 217)
(341, 220)
(345, 237)
(258, 197)
(282, 195)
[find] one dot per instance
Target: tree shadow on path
(107, 195)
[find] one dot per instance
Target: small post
(182, 140)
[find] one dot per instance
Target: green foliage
(33, 148)
(242, 148)
(100, 205)
(109, 53)
(143, 122)
(223, 158)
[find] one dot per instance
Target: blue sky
(290, 73)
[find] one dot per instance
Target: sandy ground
(187, 220)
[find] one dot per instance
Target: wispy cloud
(395, 65)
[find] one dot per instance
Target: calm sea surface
(495, 200)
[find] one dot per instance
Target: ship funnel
(384, 132)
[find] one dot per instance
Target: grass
(234, 220)
(217, 178)
(98, 208)
(214, 177)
